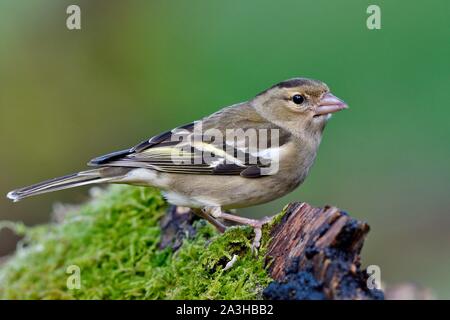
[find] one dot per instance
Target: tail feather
(72, 180)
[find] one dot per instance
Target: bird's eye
(298, 99)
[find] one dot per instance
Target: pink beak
(330, 104)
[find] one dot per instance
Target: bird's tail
(72, 180)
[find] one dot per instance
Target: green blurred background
(139, 67)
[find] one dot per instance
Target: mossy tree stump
(311, 253)
(128, 244)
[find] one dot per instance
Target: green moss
(114, 241)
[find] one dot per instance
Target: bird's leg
(208, 217)
(257, 225)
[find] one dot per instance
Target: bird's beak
(330, 104)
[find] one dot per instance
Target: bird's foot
(257, 225)
(257, 229)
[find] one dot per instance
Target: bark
(314, 254)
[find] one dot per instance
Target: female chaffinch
(242, 155)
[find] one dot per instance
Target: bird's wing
(194, 149)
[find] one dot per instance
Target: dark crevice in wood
(176, 225)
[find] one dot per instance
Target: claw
(256, 240)
(257, 228)
(214, 213)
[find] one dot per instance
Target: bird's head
(298, 105)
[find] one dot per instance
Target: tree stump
(313, 253)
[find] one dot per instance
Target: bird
(243, 155)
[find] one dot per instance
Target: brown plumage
(288, 118)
